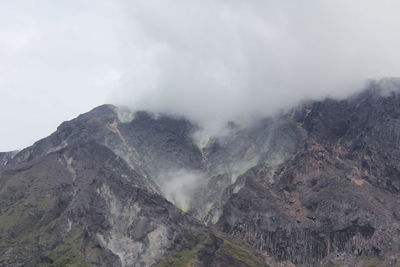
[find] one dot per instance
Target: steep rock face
(5, 157)
(316, 186)
(337, 196)
(147, 143)
(229, 160)
(70, 199)
(97, 206)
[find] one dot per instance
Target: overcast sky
(212, 61)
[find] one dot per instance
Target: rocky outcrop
(5, 157)
(85, 204)
(336, 197)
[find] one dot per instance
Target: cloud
(179, 186)
(215, 61)
(57, 59)
(212, 61)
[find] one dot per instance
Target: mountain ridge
(315, 186)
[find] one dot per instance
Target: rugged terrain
(318, 185)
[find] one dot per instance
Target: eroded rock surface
(315, 186)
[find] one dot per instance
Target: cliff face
(337, 196)
(5, 157)
(86, 196)
(316, 186)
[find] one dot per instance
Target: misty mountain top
(236, 59)
(238, 133)
(220, 125)
(315, 185)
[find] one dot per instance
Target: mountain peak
(313, 187)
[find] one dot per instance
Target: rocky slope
(337, 196)
(5, 157)
(316, 186)
(71, 200)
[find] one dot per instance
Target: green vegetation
(364, 261)
(26, 221)
(69, 253)
(25, 213)
(187, 257)
(240, 253)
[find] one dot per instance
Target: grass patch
(366, 261)
(240, 253)
(187, 256)
(69, 253)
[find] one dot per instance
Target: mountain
(318, 185)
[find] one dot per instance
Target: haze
(211, 61)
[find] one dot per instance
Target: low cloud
(211, 60)
(180, 186)
(215, 61)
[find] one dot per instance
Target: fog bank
(215, 61)
(211, 61)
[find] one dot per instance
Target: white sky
(211, 60)
(57, 59)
